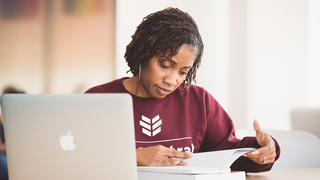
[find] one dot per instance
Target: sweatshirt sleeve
(220, 135)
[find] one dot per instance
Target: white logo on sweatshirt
(150, 127)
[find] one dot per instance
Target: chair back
(298, 149)
(306, 119)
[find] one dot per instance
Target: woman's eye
(164, 65)
(183, 73)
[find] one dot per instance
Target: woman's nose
(172, 79)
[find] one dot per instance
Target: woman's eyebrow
(169, 59)
(173, 62)
(187, 67)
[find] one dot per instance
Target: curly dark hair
(162, 34)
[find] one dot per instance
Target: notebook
(84, 136)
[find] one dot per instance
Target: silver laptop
(64, 137)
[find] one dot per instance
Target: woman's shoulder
(194, 90)
(114, 86)
(197, 92)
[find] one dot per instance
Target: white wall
(236, 79)
(313, 45)
(276, 60)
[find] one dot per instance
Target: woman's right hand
(160, 156)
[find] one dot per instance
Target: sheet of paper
(217, 159)
(215, 162)
(183, 170)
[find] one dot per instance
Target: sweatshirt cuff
(247, 165)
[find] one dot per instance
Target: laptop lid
(87, 136)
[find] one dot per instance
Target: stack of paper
(163, 176)
(202, 166)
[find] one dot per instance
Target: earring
(139, 71)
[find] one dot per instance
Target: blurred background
(261, 58)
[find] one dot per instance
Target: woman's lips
(163, 91)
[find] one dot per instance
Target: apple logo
(66, 142)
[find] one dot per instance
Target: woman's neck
(134, 86)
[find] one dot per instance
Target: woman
(174, 118)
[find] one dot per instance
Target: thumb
(259, 133)
(256, 126)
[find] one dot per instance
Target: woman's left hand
(267, 152)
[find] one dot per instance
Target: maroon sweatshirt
(186, 121)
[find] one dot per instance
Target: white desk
(292, 174)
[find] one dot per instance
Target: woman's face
(163, 75)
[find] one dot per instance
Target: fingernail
(271, 145)
(176, 159)
(245, 155)
(255, 152)
(189, 154)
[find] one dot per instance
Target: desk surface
(292, 174)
